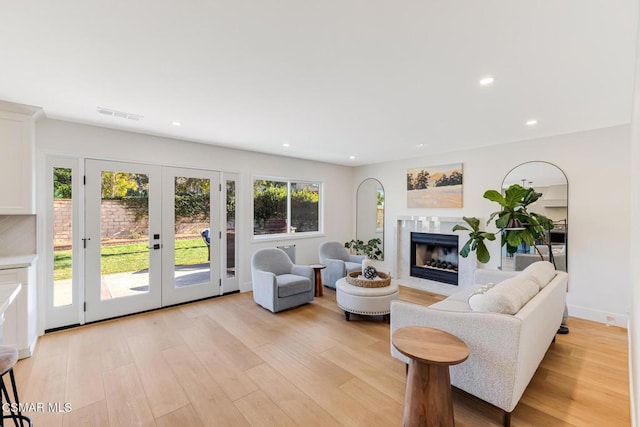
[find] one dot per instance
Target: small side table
(318, 277)
(427, 400)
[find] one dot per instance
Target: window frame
(289, 234)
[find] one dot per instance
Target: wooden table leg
(318, 280)
(428, 396)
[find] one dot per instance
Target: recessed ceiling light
(486, 81)
(285, 145)
(176, 123)
(421, 145)
(352, 157)
(531, 122)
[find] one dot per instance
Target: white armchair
(339, 262)
(278, 283)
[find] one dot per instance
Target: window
(62, 236)
(285, 206)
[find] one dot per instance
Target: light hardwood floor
(228, 362)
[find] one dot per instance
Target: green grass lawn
(131, 257)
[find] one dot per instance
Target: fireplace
(434, 256)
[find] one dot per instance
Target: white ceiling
(332, 78)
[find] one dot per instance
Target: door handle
(155, 246)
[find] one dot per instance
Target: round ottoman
(368, 301)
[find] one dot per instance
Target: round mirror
(550, 180)
(370, 212)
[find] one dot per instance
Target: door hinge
(84, 180)
(220, 282)
(85, 307)
(220, 187)
(219, 234)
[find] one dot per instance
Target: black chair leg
(15, 395)
(15, 412)
(5, 398)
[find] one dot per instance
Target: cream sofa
(505, 349)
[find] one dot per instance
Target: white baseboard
(28, 352)
(611, 319)
(246, 287)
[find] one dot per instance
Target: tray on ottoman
(383, 280)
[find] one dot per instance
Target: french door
(191, 207)
(123, 238)
(153, 236)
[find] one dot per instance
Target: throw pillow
(490, 303)
(542, 272)
(480, 291)
(506, 297)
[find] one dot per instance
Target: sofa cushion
(542, 272)
(459, 301)
(290, 284)
(464, 294)
(451, 305)
(507, 296)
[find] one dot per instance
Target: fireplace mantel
(429, 224)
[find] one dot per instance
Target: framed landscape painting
(435, 187)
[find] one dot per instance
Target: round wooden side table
(427, 400)
(318, 277)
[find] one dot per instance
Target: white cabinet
(17, 159)
(19, 328)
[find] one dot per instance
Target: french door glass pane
(124, 226)
(192, 233)
(231, 228)
(62, 236)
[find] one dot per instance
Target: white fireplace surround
(430, 224)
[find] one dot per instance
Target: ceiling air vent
(120, 114)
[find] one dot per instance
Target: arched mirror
(370, 212)
(551, 181)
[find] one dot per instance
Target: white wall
(64, 138)
(597, 166)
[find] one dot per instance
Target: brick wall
(62, 222)
(118, 222)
